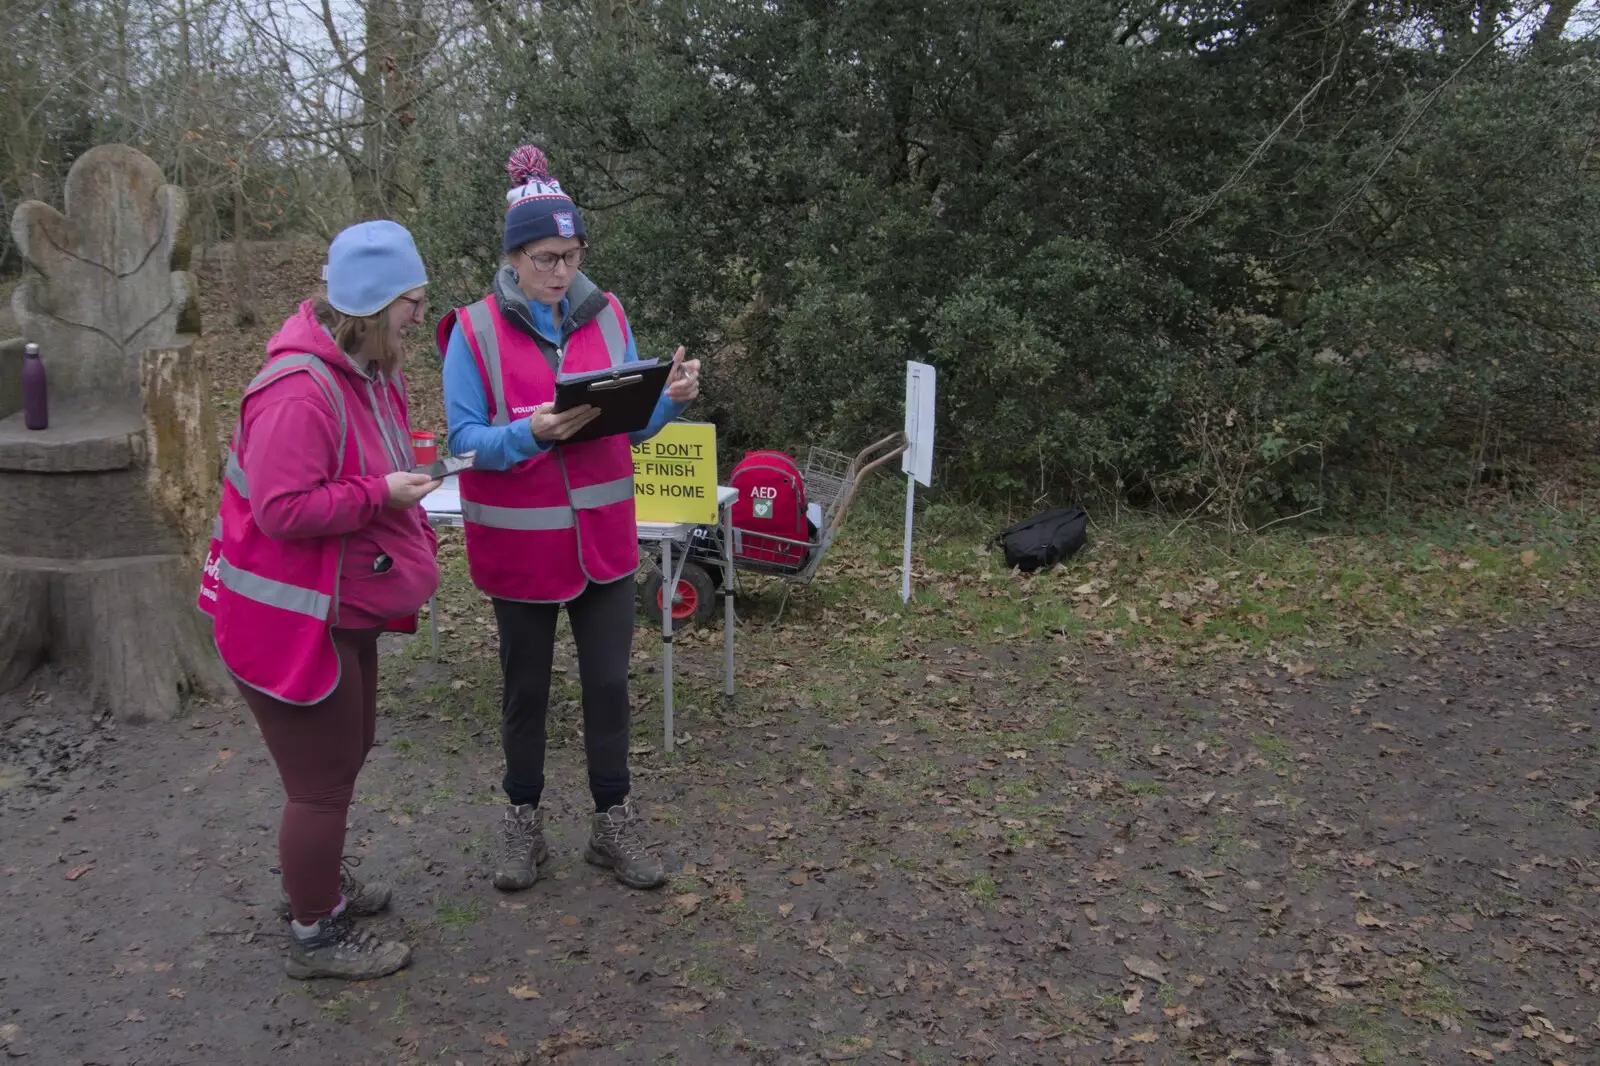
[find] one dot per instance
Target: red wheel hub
(683, 603)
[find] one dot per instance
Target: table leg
(728, 581)
(433, 624)
(668, 588)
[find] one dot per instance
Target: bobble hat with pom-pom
(537, 208)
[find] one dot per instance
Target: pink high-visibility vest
(273, 601)
(542, 530)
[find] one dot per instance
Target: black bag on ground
(1045, 539)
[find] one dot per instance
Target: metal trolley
(830, 478)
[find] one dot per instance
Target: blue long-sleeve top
(502, 447)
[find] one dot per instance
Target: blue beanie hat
(370, 265)
(537, 206)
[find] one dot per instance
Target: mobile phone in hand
(450, 464)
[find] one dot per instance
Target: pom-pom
(527, 164)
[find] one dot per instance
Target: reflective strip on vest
(323, 376)
(603, 494)
(489, 350)
(483, 332)
(216, 527)
(236, 475)
(522, 518)
(611, 330)
(278, 594)
(547, 518)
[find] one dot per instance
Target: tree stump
(104, 517)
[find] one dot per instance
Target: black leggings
(602, 627)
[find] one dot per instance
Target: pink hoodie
(289, 449)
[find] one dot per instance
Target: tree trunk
(1555, 22)
(98, 545)
(244, 312)
(105, 515)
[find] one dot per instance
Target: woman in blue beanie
(549, 523)
(321, 546)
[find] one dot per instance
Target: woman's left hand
(684, 384)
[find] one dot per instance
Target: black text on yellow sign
(675, 474)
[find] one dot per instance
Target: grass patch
(453, 915)
(1147, 584)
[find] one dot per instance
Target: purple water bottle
(35, 399)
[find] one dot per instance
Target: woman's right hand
(547, 425)
(407, 489)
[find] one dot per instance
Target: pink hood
(288, 447)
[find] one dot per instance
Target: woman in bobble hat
(550, 524)
(320, 546)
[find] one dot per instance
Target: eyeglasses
(416, 303)
(545, 262)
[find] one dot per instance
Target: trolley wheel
(694, 600)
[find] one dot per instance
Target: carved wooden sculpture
(104, 516)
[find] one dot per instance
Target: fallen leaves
(523, 992)
(1149, 970)
(78, 871)
(687, 903)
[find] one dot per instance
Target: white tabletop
(444, 500)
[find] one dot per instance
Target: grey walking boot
(360, 897)
(338, 949)
(614, 841)
(523, 848)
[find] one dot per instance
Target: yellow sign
(675, 474)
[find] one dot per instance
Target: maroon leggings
(319, 751)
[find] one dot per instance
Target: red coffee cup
(424, 446)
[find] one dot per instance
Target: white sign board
(918, 461)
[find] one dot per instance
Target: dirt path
(1005, 857)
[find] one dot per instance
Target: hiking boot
(359, 897)
(523, 848)
(338, 949)
(614, 841)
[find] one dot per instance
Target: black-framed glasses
(416, 302)
(545, 262)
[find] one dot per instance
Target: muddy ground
(1031, 854)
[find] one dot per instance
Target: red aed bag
(772, 501)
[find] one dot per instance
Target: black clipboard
(626, 396)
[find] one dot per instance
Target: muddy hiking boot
(523, 848)
(336, 948)
(614, 841)
(361, 897)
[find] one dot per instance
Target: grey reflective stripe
(402, 440)
(274, 593)
(384, 418)
(611, 330)
(330, 385)
(523, 518)
(607, 492)
(489, 350)
(236, 475)
(216, 527)
(323, 376)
